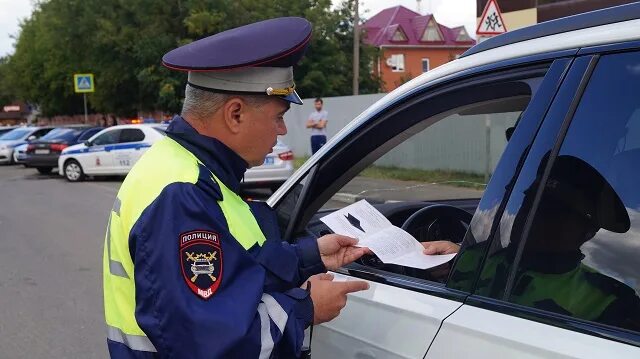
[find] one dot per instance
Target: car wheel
(44, 170)
(73, 171)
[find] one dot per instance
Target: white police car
(112, 151)
(526, 109)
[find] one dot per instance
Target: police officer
(191, 270)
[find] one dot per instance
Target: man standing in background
(317, 122)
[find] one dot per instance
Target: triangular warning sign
(491, 22)
(84, 84)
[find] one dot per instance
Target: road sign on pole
(491, 22)
(83, 83)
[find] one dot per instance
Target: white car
(112, 151)
(547, 119)
(276, 169)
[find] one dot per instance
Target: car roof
(571, 23)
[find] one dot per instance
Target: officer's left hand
(337, 251)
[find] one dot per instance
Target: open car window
(441, 150)
(452, 159)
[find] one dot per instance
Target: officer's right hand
(330, 297)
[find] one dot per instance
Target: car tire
(44, 170)
(73, 171)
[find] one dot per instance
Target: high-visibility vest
(166, 162)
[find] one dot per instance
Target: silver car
(17, 137)
(276, 169)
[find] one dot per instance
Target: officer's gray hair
(201, 105)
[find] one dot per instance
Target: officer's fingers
(345, 241)
(352, 286)
(323, 276)
(353, 253)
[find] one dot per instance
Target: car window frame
(93, 139)
(504, 73)
(502, 305)
(144, 135)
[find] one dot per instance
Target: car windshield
(62, 133)
(16, 134)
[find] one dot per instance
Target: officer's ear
(232, 112)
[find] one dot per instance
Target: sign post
(83, 83)
(491, 22)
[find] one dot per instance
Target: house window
(431, 33)
(463, 36)
(425, 65)
(398, 35)
(396, 62)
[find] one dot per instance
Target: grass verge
(450, 178)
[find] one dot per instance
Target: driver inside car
(576, 203)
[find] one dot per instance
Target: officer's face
(265, 123)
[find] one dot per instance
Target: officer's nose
(282, 128)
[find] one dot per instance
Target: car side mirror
(31, 138)
(88, 143)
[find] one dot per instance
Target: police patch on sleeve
(201, 262)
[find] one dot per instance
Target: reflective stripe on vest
(143, 185)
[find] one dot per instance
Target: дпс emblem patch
(201, 262)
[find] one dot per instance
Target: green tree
(122, 42)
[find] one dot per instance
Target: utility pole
(356, 49)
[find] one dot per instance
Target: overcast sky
(448, 12)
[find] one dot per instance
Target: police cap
(253, 59)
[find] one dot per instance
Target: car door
(98, 157)
(128, 150)
(431, 132)
(561, 276)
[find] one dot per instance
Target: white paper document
(373, 230)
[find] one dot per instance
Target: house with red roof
(411, 43)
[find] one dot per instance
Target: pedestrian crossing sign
(83, 83)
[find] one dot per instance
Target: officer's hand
(330, 297)
(337, 250)
(440, 247)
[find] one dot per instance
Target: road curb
(346, 197)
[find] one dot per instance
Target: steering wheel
(438, 222)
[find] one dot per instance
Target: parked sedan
(113, 151)
(547, 249)
(17, 137)
(43, 154)
(276, 169)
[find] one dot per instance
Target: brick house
(411, 43)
